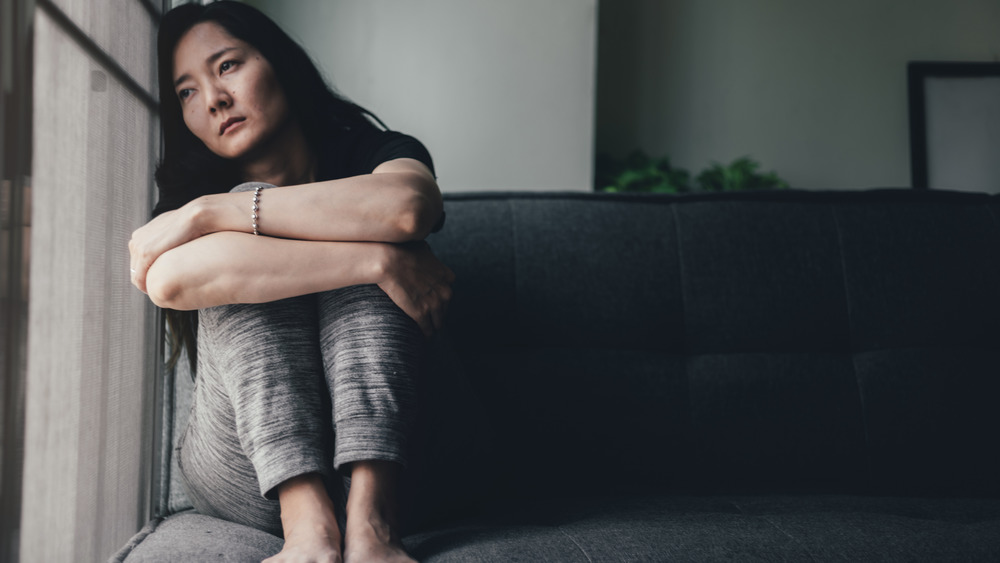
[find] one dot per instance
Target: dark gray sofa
(771, 376)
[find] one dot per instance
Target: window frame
(18, 529)
(15, 175)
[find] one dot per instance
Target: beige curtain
(90, 393)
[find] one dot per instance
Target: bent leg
(371, 356)
(258, 414)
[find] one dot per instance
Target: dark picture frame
(954, 125)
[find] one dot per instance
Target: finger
(440, 309)
(442, 313)
(139, 281)
(420, 314)
(138, 273)
(426, 326)
(445, 292)
(135, 259)
(437, 316)
(132, 259)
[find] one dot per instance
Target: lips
(225, 124)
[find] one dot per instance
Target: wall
(814, 90)
(502, 93)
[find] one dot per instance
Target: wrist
(222, 212)
(382, 262)
(200, 216)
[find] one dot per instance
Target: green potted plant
(638, 173)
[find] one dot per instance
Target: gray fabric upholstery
(766, 376)
(193, 537)
(653, 528)
(183, 390)
(795, 341)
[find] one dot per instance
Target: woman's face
(229, 95)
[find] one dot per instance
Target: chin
(233, 151)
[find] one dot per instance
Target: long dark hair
(189, 169)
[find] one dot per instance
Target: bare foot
(371, 533)
(373, 540)
(308, 521)
(318, 546)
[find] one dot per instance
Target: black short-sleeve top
(359, 150)
(353, 151)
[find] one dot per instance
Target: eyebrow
(210, 60)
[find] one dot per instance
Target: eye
(226, 65)
(184, 93)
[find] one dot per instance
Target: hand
(418, 283)
(169, 230)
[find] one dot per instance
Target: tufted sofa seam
(790, 536)
(685, 348)
(994, 215)
(513, 252)
(572, 539)
(680, 276)
(851, 341)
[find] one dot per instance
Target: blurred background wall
(501, 92)
(814, 90)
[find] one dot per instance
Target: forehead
(199, 43)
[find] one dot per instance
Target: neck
(285, 160)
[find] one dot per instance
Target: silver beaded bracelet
(256, 200)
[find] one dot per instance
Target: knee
(357, 302)
(273, 320)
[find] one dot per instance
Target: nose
(220, 99)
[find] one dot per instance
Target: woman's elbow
(418, 216)
(163, 285)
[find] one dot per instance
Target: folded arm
(399, 201)
(227, 267)
(323, 236)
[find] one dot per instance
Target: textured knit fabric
(301, 385)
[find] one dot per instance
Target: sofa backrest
(774, 341)
(779, 341)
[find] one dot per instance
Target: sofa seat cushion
(189, 536)
(658, 528)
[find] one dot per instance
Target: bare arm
(398, 202)
(336, 234)
(227, 267)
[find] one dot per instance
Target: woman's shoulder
(357, 149)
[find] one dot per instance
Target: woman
(322, 313)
